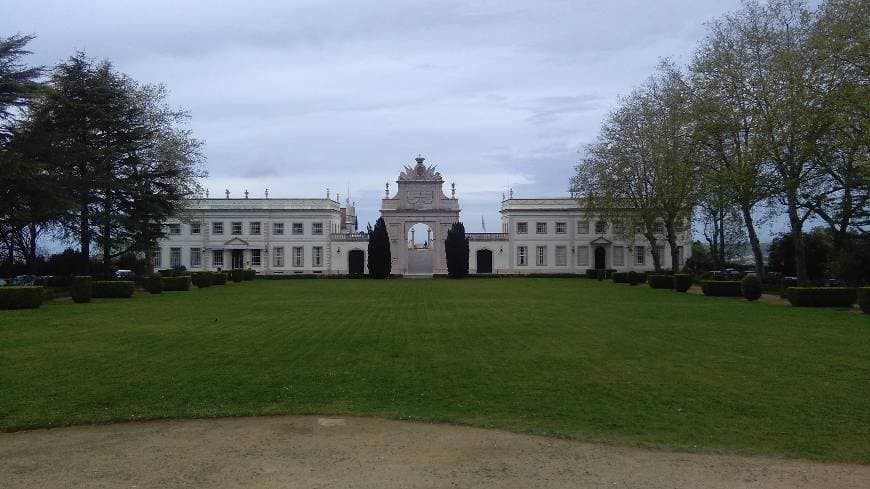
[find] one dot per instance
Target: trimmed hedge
(237, 274)
(660, 281)
(722, 288)
(682, 282)
(864, 299)
(635, 278)
(250, 274)
(21, 297)
(218, 278)
(113, 290)
(620, 277)
(822, 296)
(153, 284)
(202, 279)
(177, 284)
(751, 287)
(81, 290)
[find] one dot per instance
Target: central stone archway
(419, 199)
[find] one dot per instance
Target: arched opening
(484, 261)
(600, 258)
(356, 262)
(420, 249)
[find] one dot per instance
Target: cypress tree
(456, 248)
(380, 260)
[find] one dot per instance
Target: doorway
(484, 261)
(600, 258)
(238, 258)
(356, 262)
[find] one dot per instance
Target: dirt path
(308, 451)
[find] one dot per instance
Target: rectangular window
(195, 258)
(174, 257)
(217, 228)
(277, 228)
(600, 227)
(195, 228)
(582, 227)
(316, 228)
(278, 257)
(298, 256)
(522, 256)
(639, 255)
(660, 227)
(317, 256)
(638, 228)
(255, 227)
(541, 228)
(217, 258)
(561, 256)
(542, 256)
(561, 227)
(522, 228)
(157, 259)
(618, 256)
(583, 255)
(174, 228)
(255, 258)
(661, 251)
(236, 228)
(298, 228)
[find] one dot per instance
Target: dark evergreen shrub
(176, 284)
(751, 287)
(682, 282)
(635, 278)
(81, 290)
(660, 281)
(456, 250)
(202, 279)
(722, 288)
(822, 296)
(218, 278)
(237, 274)
(591, 273)
(153, 283)
(115, 289)
(619, 277)
(380, 262)
(864, 299)
(21, 297)
(250, 274)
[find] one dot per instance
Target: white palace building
(321, 236)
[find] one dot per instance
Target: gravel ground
(311, 451)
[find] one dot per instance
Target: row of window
(582, 253)
(254, 228)
(297, 257)
(601, 227)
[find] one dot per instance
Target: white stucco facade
(320, 236)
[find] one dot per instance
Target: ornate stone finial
(419, 159)
(511, 194)
(206, 193)
(387, 190)
(246, 193)
(453, 190)
(267, 193)
(338, 198)
(502, 197)
(327, 192)
(227, 191)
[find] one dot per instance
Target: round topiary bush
(21, 297)
(202, 279)
(81, 290)
(238, 274)
(751, 287)
(634, 278)
(682, 282)
(218, 278)
(864, 299)
(153, 284)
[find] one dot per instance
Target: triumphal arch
(419, 199)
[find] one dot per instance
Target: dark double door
(356, 262)
(484, 261)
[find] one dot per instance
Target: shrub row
(21, 297)
(114, 289)
(822, 296)
(179, 283)
(864, 299)
(82, 289)
(721, 288)
(660, 281)
(202, 279)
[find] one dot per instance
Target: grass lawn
(566, 357)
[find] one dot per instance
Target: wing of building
(320, 235)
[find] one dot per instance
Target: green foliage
(202, 279)
(218, 278)
(81, 289)
(25, 297)
(822, 296)
(112, 290)
(819, 250)
(635, 278)
(153, 283)
(722, 288)
(237, 274)
(864, 299)
(619, 277)
(660, 281)
(751, 287)
(380, 262)
(681, 282)
(457, 251)
(176, 284)
(250, 274)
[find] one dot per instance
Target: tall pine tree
(380, 260)
(456, 247)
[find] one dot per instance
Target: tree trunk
(721, 257)
(653, 242)
(107, 237)
(800, 252)
(753, 240)
(85, 237)
(672, 244)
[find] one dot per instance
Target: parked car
(23, 280)
(126, 274)
(2, 282)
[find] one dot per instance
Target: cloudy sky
(298, 96)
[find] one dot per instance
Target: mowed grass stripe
(566, 357)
